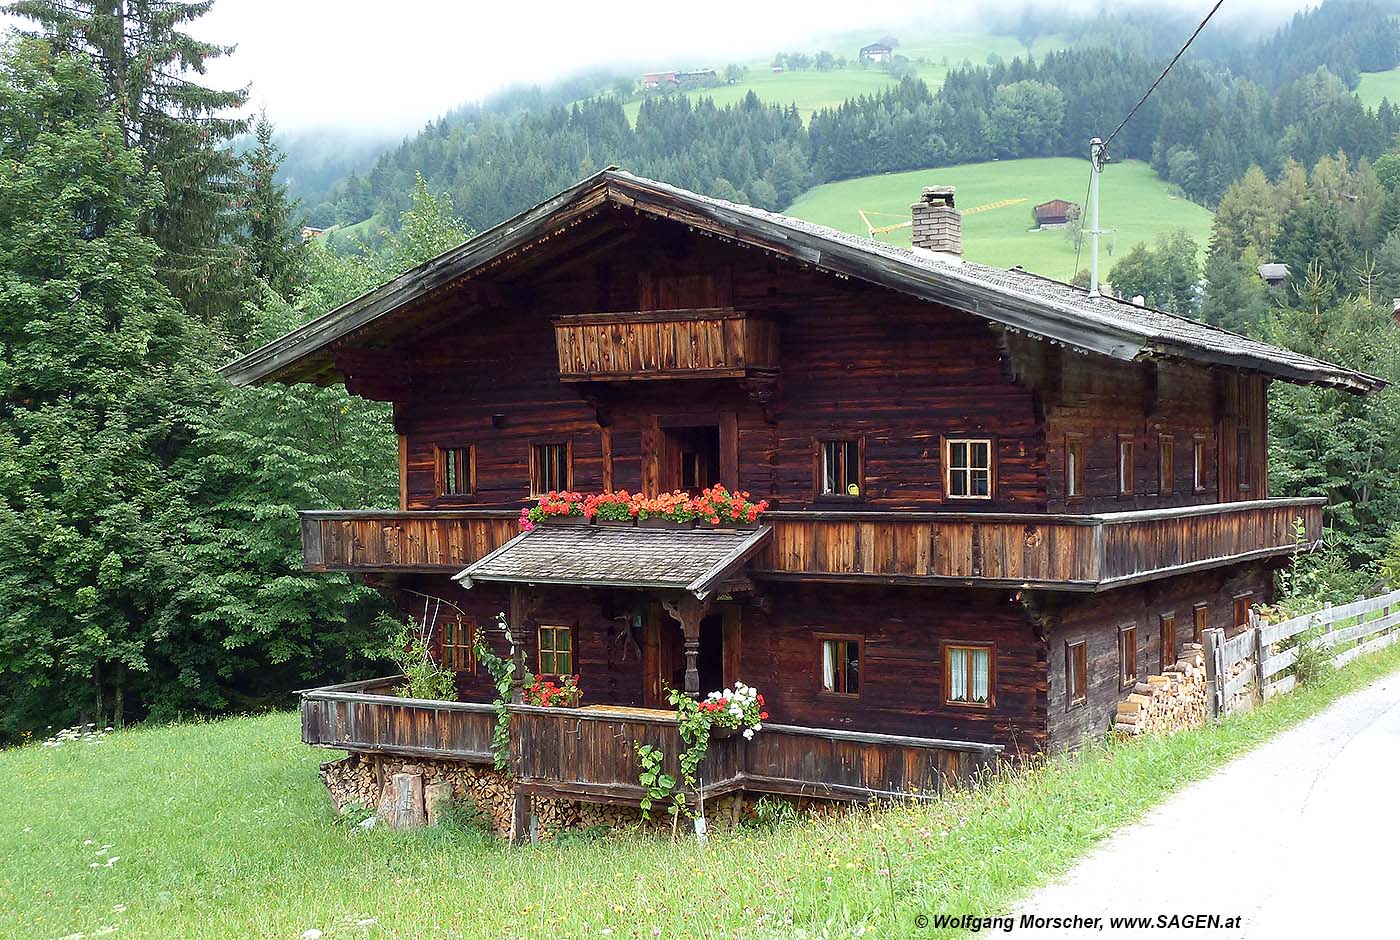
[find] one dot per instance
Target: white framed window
(1125, 467)
(969, 468)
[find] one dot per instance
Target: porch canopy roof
(693, 560)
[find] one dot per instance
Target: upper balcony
(714, 342)
(1050, 551)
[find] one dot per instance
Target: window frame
(1166, 465)
(1125, 680)
(1200, 620)
(843, 638)
(1166, 626)
(948, 468)
(1198, 465)
(1127, 456)
(1076, 674)
(1243, 457)
(554, 650)
(1246, 598)
(462, 657)
(534, 466)
(1076, 450)
(819, 446)
(991, 651)
(465, 468)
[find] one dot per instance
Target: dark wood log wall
(1101, 401)
(902, 632)
(1096, 620)
(856, 362)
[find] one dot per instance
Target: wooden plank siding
(1089, 552)
(660, 344)
(592, 755)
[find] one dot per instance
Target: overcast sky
(392, 66)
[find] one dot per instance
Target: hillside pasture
(1134, 201)
(1376, 87)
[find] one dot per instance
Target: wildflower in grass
(312, 934)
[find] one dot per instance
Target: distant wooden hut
(1056, 212)
(876, 52)
(1275, 274)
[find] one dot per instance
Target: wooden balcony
(715, 342)
(1050, 551)
(592, 754)
(396, 541)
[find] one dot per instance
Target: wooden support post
(1261, 652)
(688, 611)
(1213, 638)
(522, 609)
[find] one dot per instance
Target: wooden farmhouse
(996, 503)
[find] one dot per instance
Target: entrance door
(663, 656)
(691, 459)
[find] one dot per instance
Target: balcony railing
(592, 754)
(714, 342)
(1055, 551)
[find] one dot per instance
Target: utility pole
(1095, 165)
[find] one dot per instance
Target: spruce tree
(270, 232)
(182, 128)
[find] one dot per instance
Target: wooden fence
(1257, 663)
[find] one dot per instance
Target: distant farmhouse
(676, 78)
(657, 79)
(309, 232)
(1274, 274)
(876, 52)
(1055, 213)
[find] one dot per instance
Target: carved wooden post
(522, 608)
(688, 611)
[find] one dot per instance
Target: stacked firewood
(368, 779)
(1174, 700)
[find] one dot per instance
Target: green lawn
(224, 830)
(1133, 200)
(1377, 86)
(811, 90)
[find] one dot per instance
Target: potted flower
(739, 709)
(611, 509)
(674, 510)
(545, 693)
(720, 507)
(554, 508)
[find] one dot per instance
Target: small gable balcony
(712, 342)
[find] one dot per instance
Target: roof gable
(1013, 298)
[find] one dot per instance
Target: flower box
(616, 523)
(567, 520)
(657, 522)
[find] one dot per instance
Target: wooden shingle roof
(1014, 298)
(694, 560)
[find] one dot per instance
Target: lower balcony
(1091, 552)
(590, 753)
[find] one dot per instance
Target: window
(967, 675)
(1168, 641)
(841, 665)
(1166, 465)
(1198, 467)
(840, 468)
(1076, 673)
(1125, 467)
(969, 464)
(1127, 655)
(458, 645)
(1242, 603)
(1242, 458)
(1200, 619)
(549, 468)
(1074, 468)
(556, 651)
(456, 471)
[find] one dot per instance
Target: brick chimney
(937, 225)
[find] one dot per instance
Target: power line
(1079, 236)
(1150, 90)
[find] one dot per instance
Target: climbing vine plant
(502, 670)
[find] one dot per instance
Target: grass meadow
(1375, 87)
(1133, 200)
(223, 830)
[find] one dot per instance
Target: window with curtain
(969, 468)
(1076, 673)
(1125, 468)
(1127, 655)
(1074, 468)
(1166, 465)
(967, 675)
(841, 665)
(549, 468)
(1198, 467)
(840, 467)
